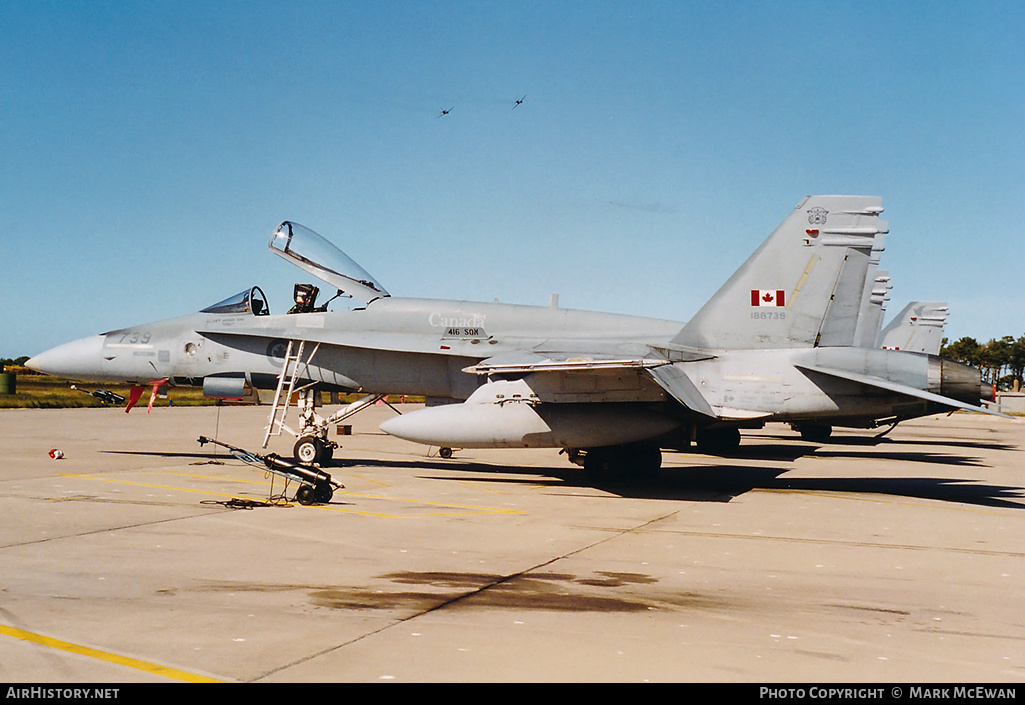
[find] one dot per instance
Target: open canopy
(311, 252)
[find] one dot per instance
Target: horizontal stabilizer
(880, 383)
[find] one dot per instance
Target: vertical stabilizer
(917, 328)
(873, 309)
(803, 287)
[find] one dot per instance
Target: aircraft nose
(79, 359)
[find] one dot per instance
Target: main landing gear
(641, 461)
(633, 461)
(718, 441)
(817, 433)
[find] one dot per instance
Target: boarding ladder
(291, 372)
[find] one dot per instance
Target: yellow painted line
(463, 509)
(145, 484)
(371, 480)
(147, 666)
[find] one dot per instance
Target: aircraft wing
(570, 364)
(583, 356)
(547, 373)
(571, 378)
(880, 383)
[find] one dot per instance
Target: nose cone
(80, 359)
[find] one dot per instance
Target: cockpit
(249, 301)
(311, 252)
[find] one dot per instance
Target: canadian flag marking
(767, 297)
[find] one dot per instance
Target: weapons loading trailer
(315, 485)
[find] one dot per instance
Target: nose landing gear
(311, 450)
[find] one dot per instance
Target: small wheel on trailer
(308, 450)
(305, 495)
(323, 493)
(445, 453)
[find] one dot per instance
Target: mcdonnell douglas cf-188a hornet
(779, 342)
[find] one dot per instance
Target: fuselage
(394, 345)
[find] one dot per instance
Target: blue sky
(149, 149)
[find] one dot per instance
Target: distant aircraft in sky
(779, 342)
(445, 112)
(519, 102)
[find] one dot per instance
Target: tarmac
(900, 559)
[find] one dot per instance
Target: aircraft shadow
(757, 451)
(844, 450)
(704, 483)
(171, 454)
(905, 456)
(725, 482)
(717, 483)
(731, 481)
(873, 441)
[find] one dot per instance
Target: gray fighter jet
(917, 328)
(778, 342)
